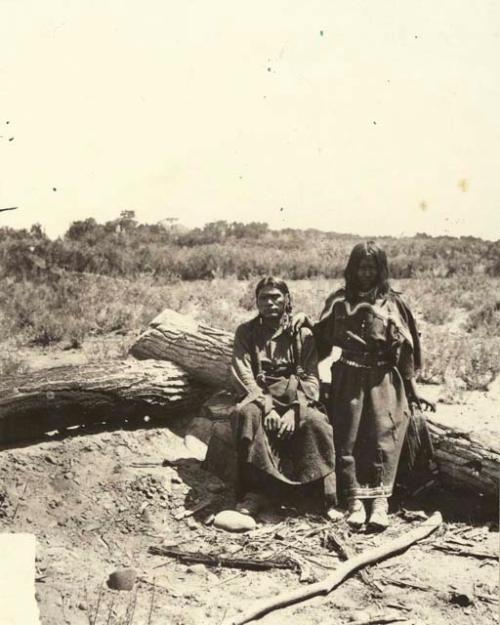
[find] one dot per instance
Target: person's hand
(272, 421)
(422, 403)
(300, 320)
(287, 425)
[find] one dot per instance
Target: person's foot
(333, 514)
(379, 518)
(252, 504)
(357, 513)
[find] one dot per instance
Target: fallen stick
(487, 598)
(187, 513)
(344, 570)
(381, 620)
(215, 560)
(345, 553)
(466, 553)
(404, 584)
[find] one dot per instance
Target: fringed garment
(367, 405)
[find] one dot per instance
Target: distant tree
(256, 229)
(216, 231)
(37, 231)
(80, 230)
(127, 220)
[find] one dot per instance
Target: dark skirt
(369, 413)
(305, 458)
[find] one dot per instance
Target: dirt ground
(97, 500)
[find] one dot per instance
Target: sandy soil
(97, 501)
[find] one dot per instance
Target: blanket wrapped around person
(282, 433)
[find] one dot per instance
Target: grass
(459, 317)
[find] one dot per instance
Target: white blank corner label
(17, 580)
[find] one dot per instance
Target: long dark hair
(360, 251)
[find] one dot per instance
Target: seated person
(282, 435)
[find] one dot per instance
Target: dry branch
(467, 553)
(344, 570)
(211, 559)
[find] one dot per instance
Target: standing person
(282, 435)
(373, 382)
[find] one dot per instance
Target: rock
(196, 569)
(122, 579)
(462, 597)
(233, 521)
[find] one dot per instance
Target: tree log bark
(62, 397)
(202, 351)
(465, 457)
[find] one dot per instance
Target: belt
(363, 361)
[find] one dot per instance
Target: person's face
(367, 273)
(271, 303)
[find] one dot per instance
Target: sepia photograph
(249, 312)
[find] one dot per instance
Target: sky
(345, 115)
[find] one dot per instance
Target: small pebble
(197, 569)
(122, 579)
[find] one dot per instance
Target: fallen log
(465, 458)
(371, 556)
(202, 351)
(62, 397)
